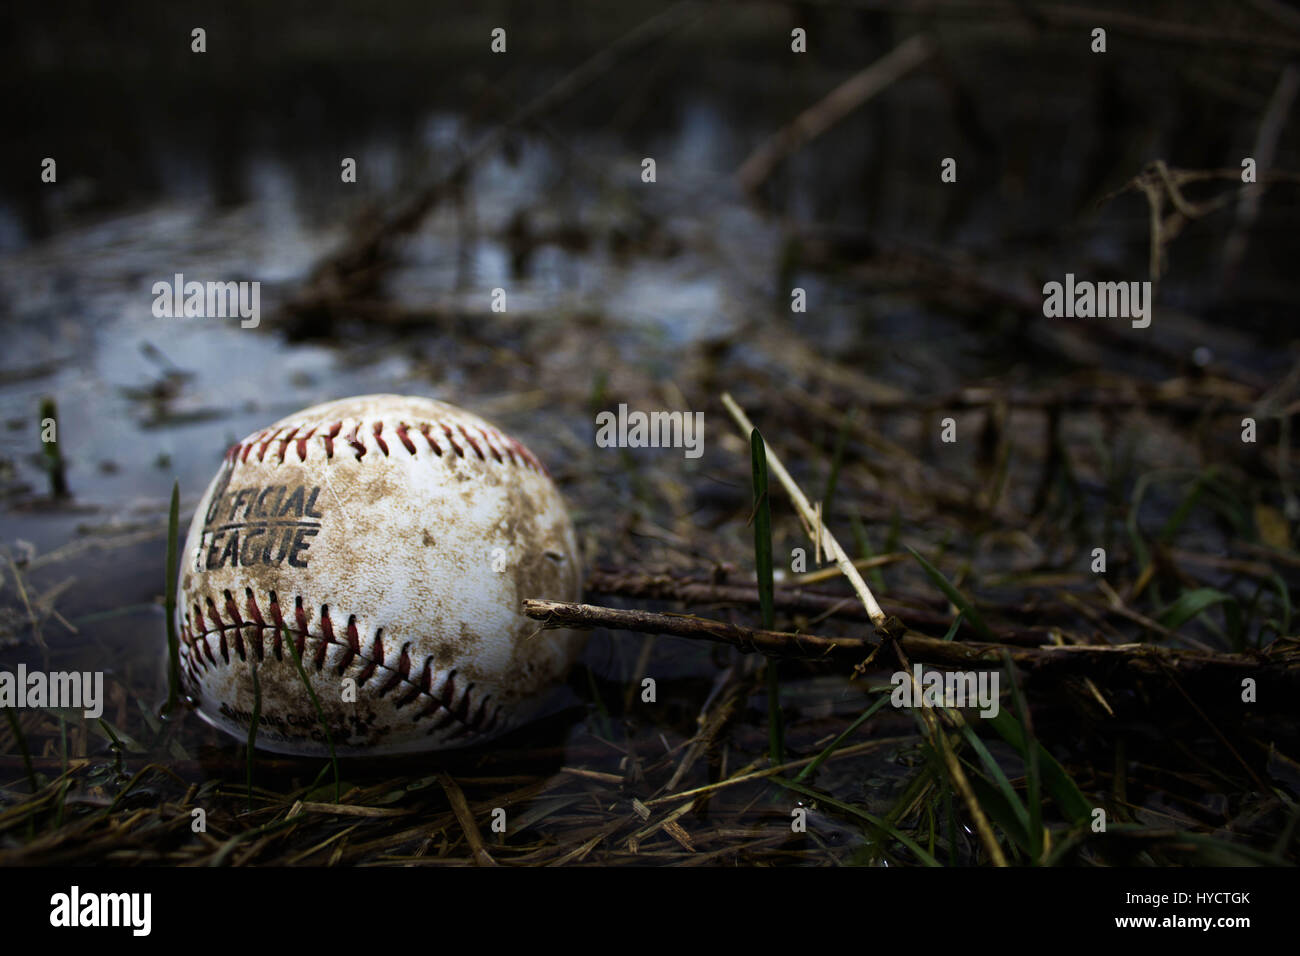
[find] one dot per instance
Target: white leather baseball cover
(392, 539)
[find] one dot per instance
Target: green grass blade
(1189, 604)
(252, 728)
(766, 594)
(1065, 792)
(835, 744)
(315, 702)
(1033, 775)
(1185, 507)
(1000, 811)
(998, 777)
(861, 814)
(953, 595)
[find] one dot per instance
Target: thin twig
(460, 806)
(746, 639)
(832, 108)
(1094, 659)
(809, 516)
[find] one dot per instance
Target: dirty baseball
(391, 539)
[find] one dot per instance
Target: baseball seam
(472, 719)
(501, 448)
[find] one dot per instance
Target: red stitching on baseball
(300, 615)
(451, 437)
(462, 711)
(233, 610)
(376, 655)
(256, 614)
(354, 645)
(503, 448)
(425, 430)
(278, 618)
(472, 719)
(329, 438)
(327, 632)
(216, 619)
(422, 688)
(492, 445)
(284, 442)
(472, 443)
(448, 693)
(356, 442)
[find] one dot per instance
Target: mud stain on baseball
(469, 639)
(351, 725)
(417, 558)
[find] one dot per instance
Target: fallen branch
(665, 587)
(832, 108)
(1083, 659)
(848, 651)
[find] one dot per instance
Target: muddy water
(144, 401)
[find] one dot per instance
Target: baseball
(391, 539)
